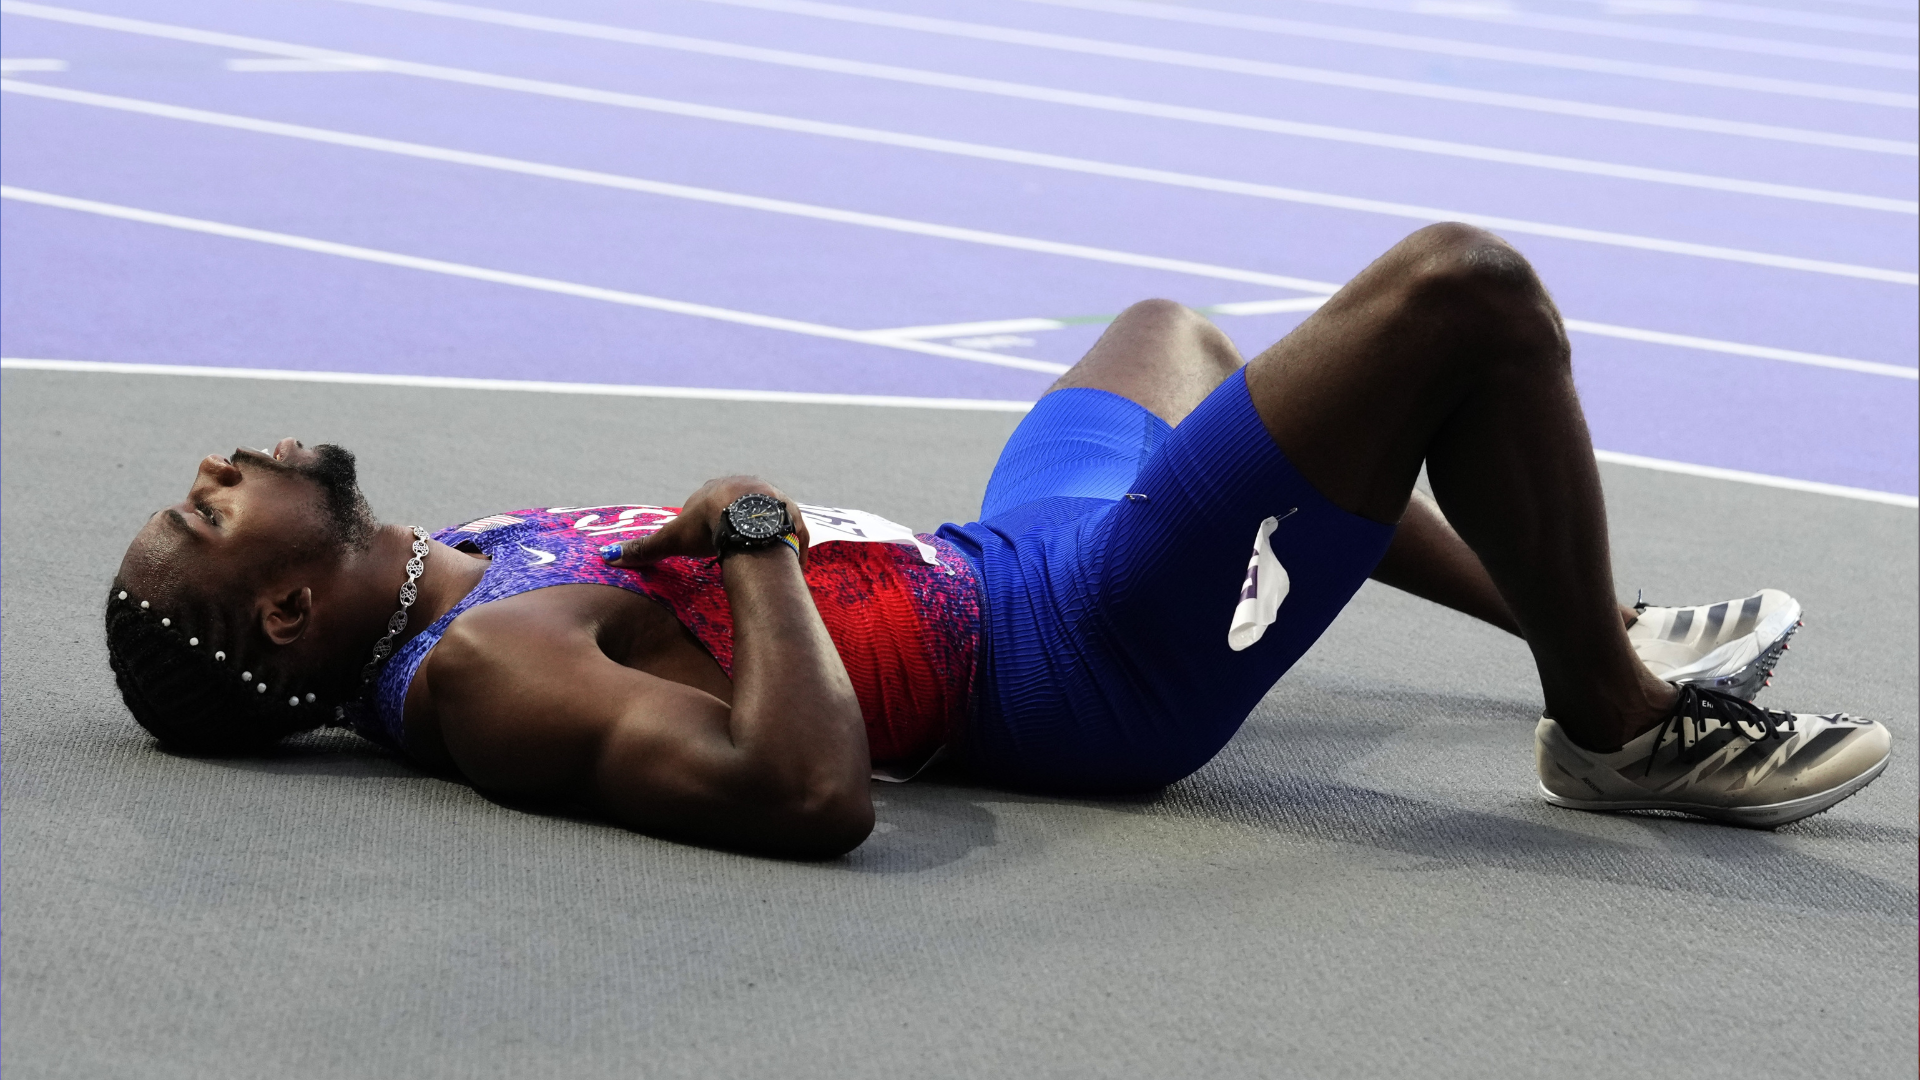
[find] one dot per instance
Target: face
(249, 516)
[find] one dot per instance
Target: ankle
(1607, 724)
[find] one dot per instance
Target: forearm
(795, 719)
(784, 768)
(1428, 559)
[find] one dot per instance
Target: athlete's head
(217, 626)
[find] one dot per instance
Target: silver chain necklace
(409, 592)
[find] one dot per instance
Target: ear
(286, 617)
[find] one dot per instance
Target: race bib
(828, 523)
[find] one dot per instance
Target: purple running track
(82, 286)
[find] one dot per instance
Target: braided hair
(200, 683)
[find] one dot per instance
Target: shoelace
(1698, 703)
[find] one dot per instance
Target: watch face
(757, 517)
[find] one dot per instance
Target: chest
(627, 628)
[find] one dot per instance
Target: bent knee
(1482, 288)
(1160, 315)
(1470, 262)
(1178, 323)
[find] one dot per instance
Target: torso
(904, 616)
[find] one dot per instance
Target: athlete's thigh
(1358, 393)
(1174, 564)
(1094, 428)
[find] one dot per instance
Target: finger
(641, 550)
(619, 553)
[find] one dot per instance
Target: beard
(349, 519)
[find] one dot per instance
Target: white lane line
(1903, 6)
(1668, 9)
(1266, 307)
(1350, 80)
(901, 225)
(1506, 13)
(1577, 326)
(443, 382)
(1205, 116)
(1555, 106)
(524, 281)
(980, 151)
(1763, 352)
(665, 189)
(1812, 20)
(22, 64)
(448, 382)
(998, 326)
(1712, 472)
(1157, 110)
(1697, 39)
(1483, 51)
(281, 65)
(1631, 69)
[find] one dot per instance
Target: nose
(219, 469)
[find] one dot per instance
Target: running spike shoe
(1731, 646)
(1718, 757)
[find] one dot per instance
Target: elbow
(830, 825)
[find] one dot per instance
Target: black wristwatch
(752, 522)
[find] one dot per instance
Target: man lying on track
(709, 676)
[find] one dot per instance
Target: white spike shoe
(1718, 757)
(1731, 646)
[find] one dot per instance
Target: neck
(371, 583)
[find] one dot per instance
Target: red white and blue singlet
(903, 610)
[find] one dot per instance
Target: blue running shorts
(1111, 551)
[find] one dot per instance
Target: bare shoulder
(524, 698)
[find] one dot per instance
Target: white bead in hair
(262, 688)
(294, 700)
(246, 676)
(219, 654)
(310, 699)
(143, 605)
(193, 641)
(123, 594)
(166, 622)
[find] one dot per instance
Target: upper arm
(531, 708)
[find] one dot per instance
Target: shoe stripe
(1759, 761)
(1689, 765)
(1749, 614)
(1715, 741)
(1779, 756)
(1821, 745)
(1682, 622)
(1754, 756)
(1716, 615)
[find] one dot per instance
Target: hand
(691, 534)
